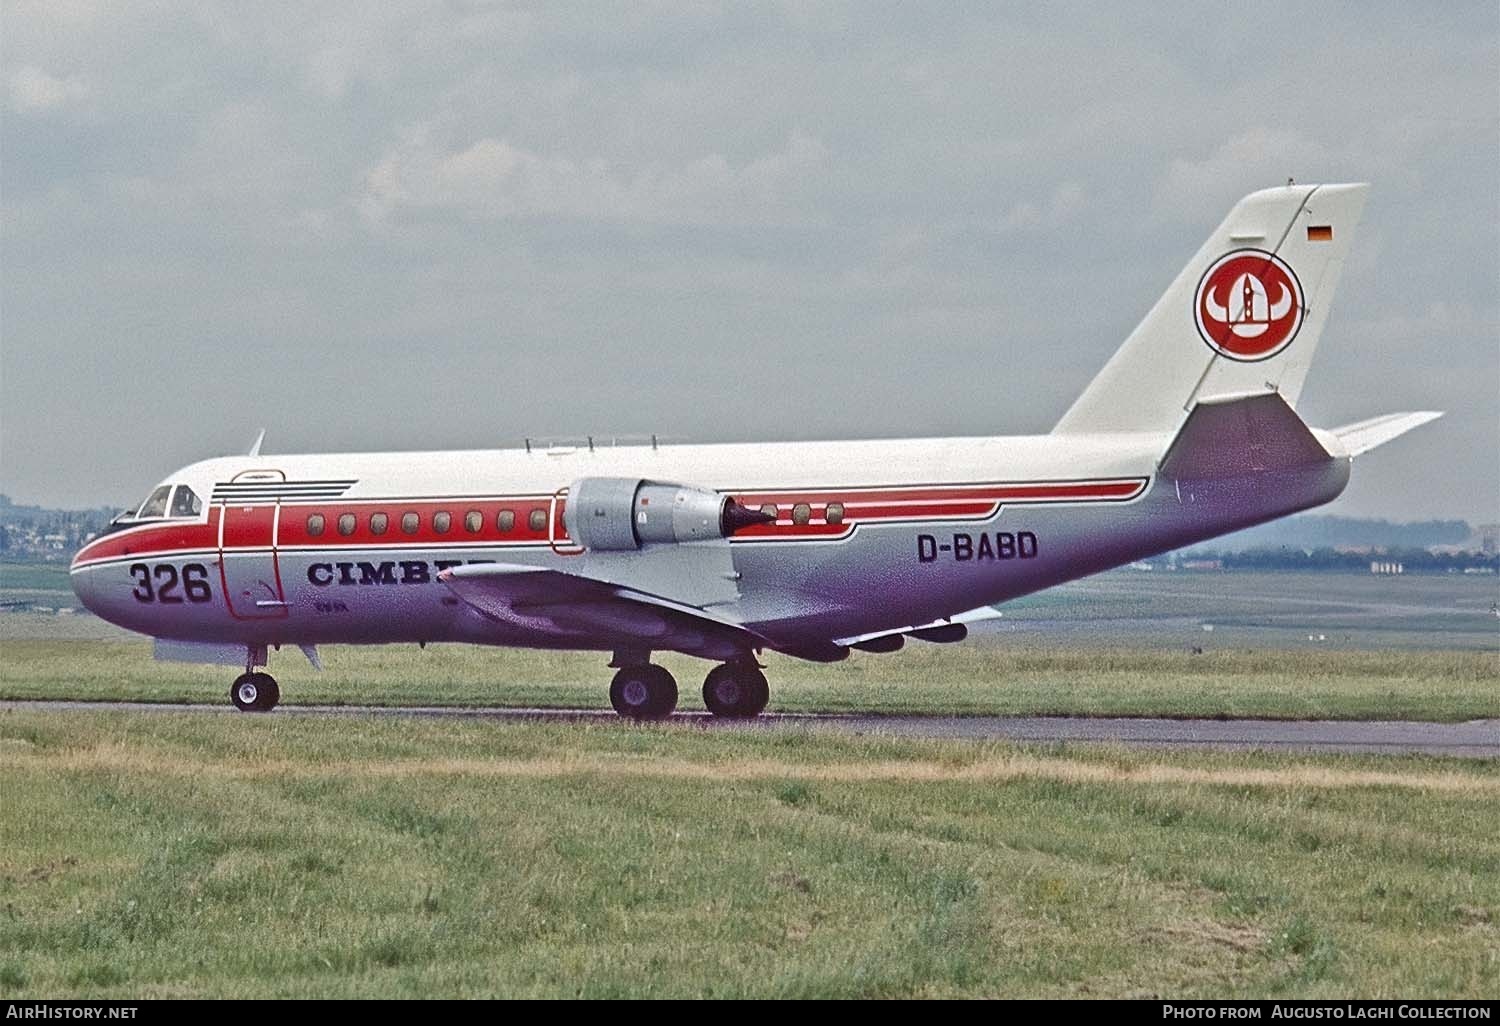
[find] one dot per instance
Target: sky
(455, 225)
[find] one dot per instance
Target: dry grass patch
(123, 757)
(255, 856)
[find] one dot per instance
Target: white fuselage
(926, 528)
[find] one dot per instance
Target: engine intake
(624, 513)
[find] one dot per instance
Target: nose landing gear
(254, 692)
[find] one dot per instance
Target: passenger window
(346, 524)
(378, 523)
(315, 525)
(801, 514)
(473, 521)
(441, 522)
(769, 509)
(506, 521)
(538, 520)
(185, 503)
(156, 504)
(835, 513)
(409, 523)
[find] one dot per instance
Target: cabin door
(249, 568)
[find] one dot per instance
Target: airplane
(727, 551)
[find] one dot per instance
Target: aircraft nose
(82, 579)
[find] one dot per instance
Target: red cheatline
(251, 526)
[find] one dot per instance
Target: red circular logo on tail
(1249, 305)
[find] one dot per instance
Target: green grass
(36, 576)
(977, 677)
(184, 855)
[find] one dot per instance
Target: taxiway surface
(1474, 739)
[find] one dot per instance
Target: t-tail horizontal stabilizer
(1368, 434)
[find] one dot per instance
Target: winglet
(255, 445)
(1367, 434)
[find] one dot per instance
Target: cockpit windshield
(185, 503)
(180, 500)
(155, 504)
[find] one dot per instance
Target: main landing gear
(644, 691)
(736, 691)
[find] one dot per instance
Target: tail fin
(1243, 317)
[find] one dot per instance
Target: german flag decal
(1320, 233)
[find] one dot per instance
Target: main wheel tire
(758, 692)
(736, 691)
(643, 693)
(722, 692)
(254, 692)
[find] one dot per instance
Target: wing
(574, 607)
(949, 628)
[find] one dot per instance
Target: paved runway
(1475, 739)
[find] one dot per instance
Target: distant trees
(1413, 559)
(33, 533)
(1316, 531)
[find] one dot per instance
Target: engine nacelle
(623, 513)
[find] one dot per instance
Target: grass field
(184, 855)
(978, 677)
(192, 855)
(35, 577)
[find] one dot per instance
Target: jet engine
(624, 513)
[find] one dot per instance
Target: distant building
(1489, 538)
(1202, 564)
(1379, 567)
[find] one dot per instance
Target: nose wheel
(736, 691)
(644, 692)
(254, 692)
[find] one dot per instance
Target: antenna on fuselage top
(255, 445)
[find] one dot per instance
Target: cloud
(496, 179)
(1254, 158)
(894, 212)
(1416, 330)
(1067, 200)
(33, 91)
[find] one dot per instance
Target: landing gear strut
(254, 692)
(736, 691)
(643, 692)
